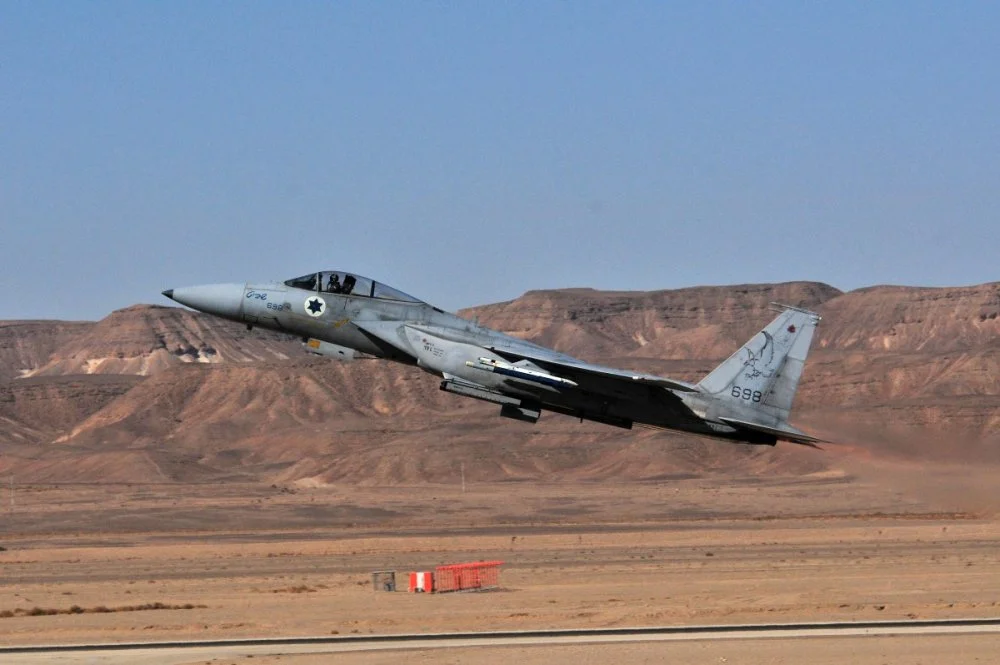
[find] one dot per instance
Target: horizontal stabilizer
(785, 433)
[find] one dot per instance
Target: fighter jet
(338, 314)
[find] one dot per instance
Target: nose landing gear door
(265, 305)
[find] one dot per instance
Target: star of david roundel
(315, 306)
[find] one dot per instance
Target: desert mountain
(25, 345)
(701, 323)
(146, 339)
(160, 393)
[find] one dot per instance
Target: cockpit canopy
(345, 283)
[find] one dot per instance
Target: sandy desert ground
(267, 561)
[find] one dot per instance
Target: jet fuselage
(337, 314)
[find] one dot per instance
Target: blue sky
(467, 151)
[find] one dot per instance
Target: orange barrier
(476, 576)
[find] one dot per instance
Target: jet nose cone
(225, 300)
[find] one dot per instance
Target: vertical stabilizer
(765, 372)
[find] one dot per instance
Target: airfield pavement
(267, 562)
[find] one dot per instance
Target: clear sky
(468, 151)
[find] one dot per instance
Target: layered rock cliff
(160, 393)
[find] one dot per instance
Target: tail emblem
(750, 364)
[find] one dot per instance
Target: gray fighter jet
(747, 398)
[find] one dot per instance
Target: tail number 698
(746, 394)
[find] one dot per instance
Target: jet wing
(596, 378)
(587, 373)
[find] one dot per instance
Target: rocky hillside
(26, 345)
(157, 393)
(683, 324)
(146, 339)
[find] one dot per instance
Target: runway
(176, 653)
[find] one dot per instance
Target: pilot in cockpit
(333, 285)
